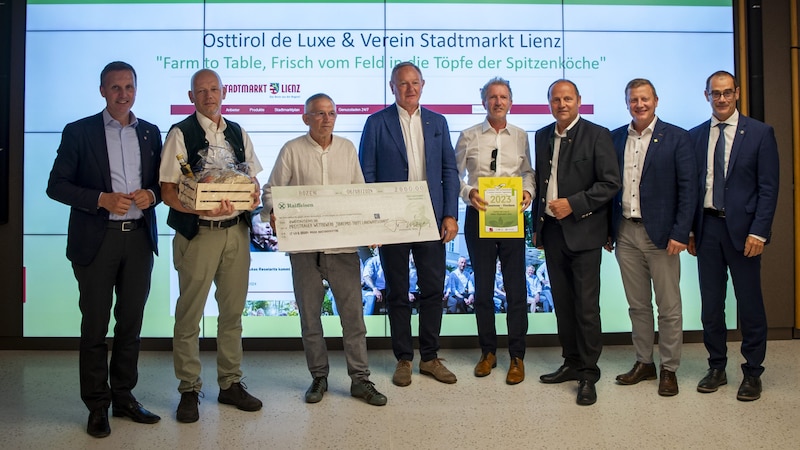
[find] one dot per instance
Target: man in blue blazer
(577, 177)
(650, 223)
(107, 172)
(406, 142)
(737, 161)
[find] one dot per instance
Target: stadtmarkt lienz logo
(293, 90)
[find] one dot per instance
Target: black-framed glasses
(493, 165)
(727, 93)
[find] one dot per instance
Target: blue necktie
(718, 193)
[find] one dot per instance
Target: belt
(714, 213)
(220, 223)
(634, 219)
(125, 225)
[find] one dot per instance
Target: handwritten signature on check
(401, 224)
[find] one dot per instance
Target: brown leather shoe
(516, 371)
(668, 385)
(437, 370)
(485, 365)
(402, 373)
(639, 372)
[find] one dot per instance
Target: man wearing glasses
(319, 158)
(737, 161)
(495, 148)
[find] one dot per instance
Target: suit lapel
(428, 131)
(702, 149)
(620, 140)
(655, 143)
(396, 132)
(741, 128)
(145, 140)
(100, 150)
(566, 149)
(544, 140)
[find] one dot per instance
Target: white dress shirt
(411, 124)
(552, 184)
(303, 162)
(474, 156)
(636, 147)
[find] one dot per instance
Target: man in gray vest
(209, 245)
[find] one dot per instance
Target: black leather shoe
(98, 423)
(316, 390)
(188, 412)
(238, 396)
(712, 381)
(561, 375)
(136, 412)
(750, 389)
(639, 372)
(587, 395)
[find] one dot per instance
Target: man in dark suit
(106, 170)
(577, 176)
(405, 142)
(737, 161)
(650, 223)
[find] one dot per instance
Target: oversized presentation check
(352, 215)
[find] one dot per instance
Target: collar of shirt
(732, 121)
(564, 134)
(405, 115)
(648, 129)
(108, 120)
(487, 126)
(316, 145)
(209, 125)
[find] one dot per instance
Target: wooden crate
(205, 196)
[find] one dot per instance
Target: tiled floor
(40, 407)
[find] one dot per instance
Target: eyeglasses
(493, 165)
(322, 114)
(727, 93)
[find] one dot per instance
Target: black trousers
(429, 259)
(575, 283)
(122, 266)
(484, 253)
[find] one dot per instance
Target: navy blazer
(588, 177)
(667, 187)
(751, 184)
(384, 157)
(81, 172)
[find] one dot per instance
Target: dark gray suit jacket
(588, 177)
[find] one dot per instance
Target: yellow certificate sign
(502, 218)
